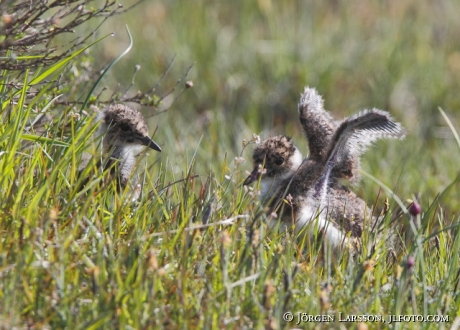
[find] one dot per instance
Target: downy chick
(125, 133)
(314, 184)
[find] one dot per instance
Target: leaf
(35, 138)
(25, 57)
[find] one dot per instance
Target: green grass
(195, 250)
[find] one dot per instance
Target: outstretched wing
(352, 138)
(317, 124)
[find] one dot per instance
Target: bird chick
(327, 199)
(275, 160)
(314, 184)
(125, 133)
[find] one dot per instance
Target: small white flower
(274, 215)
(256, 138)
(74, 115)
(227, 177)
(239, 160)
(261, 169)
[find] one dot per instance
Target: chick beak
(253, 176)
(147, 141)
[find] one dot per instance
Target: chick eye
(279, 161)
(124, 127)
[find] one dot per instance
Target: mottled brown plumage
(124, 133)
(342, 207)
(317, 124)
(277, 156)
(314, 185)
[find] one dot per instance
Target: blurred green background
(253, 58)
